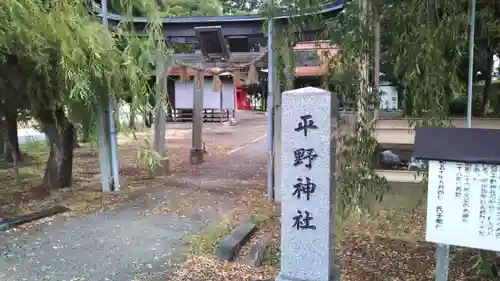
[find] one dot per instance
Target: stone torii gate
(246, 28)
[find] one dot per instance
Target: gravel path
(118, 244)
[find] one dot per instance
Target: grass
(35, 148)
(205, 242)
(13, 194)
(199, 264)
(258, 211)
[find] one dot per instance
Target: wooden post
(276, 104)
(160, 117)
(196, 154)
(289, 60)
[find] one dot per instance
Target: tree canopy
(59, 62)
(174, 8)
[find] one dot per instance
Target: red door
(243, 100)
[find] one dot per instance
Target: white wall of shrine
(211, 100)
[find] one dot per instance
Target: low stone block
(230, 245)
(163, 169)
(258, 251)
(6, 224)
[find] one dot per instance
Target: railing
(209, 115)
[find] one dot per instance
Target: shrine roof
(335, 6)
(480, 146)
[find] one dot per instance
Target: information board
(463, 205)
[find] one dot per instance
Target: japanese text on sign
(305, 187)
(463, 206)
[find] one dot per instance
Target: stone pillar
(196, 154)
(308, 186)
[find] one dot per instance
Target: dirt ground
(387, 245)
(140, 233)
(85, 196)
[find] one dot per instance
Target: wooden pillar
(278, 49)
(288, 55)
(160, 117)
(196, 153)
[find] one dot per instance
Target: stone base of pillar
(334, 276)
(196, 155)
(163, 169)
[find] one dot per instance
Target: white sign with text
(463, 205)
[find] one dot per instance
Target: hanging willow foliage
(356, 143)
(349, 80)
(421, 49)
(426, 49)
(423, 43)
(61, 62)
(65, 57)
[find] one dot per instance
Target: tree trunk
(15, 160)
(12, 137)
(487, 82)
(131, 121)
(148, 119)
(68, 143)
(85, 132)
(76, 143)
(61, 135)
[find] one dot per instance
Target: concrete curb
(230, 245)
(10, 223)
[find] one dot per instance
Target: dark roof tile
(458, 145)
